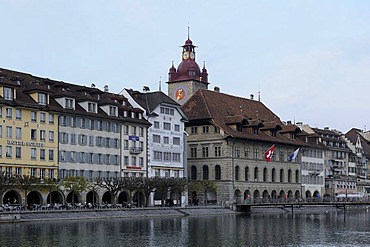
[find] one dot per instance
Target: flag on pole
(293, 155)
(269, 153)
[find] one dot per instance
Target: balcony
(136, 150)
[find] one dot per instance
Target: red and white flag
(269, 153)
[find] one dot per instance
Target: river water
(326, 229)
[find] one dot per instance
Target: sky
(308, 60)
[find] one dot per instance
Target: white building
(166, 137)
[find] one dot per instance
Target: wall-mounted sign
(133, 138)
(22, 143)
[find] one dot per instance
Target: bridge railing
(300, 200)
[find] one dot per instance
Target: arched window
(264, 174)
(193, 174)
(237, 173)
(205, 172)
(289, 176)
(246, 173)
(273, 175)
(281, 175)
(297, 176)
(217, 172)
(256, 174)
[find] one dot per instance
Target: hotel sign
(22, 143)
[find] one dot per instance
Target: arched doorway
(92, 197)
(290, 196)
(138, 199)
(122, 198)
(297, 195)
(316, 196)
(54, 197)
(282, 196)
(12, 197)
(107, 198)
(247, 196)
(308, 196)
(34, 198)
(265, 196)
(274, 196)
(72, 198)
(238, 196)
(256, 196)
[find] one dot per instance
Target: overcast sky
(310, 60)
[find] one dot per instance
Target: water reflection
(226, 230)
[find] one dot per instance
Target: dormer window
(8, 93)
(69, 103)
(255, 130)
(91, 107)
(112, 111)
(42, 99)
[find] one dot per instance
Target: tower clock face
(192, 55)
(180, 93)
(185, 55)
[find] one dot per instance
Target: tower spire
(188, 31)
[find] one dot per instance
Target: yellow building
(28, 127)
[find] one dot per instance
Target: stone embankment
(59, 215)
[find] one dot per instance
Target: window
(100, 156)
(18, 133)
(33, 172)
(9, 112)
(1, 153)
(167, 156)
(156, 125)
(204, 151)
(51, 155)
(205, 129)
(125, 160)
(246, 173)
(42, 135)
(64, 138)
(18, 152)
(33, 116)
(1, 131)
(193, 173)
(18, 114)
(107, 126)
(176, 157)
(141, 161)
(217, 151)
(18, 171)
(176, 141)
(42, 99)
(42, 173)
(193, 152)
(107, 142)
(166, 140)
(83, 139)
(116, 143)
(133, 130)
(256, 174)
(125, 130)
(9, 132)
(99, 141)
(166, 126)
(1, 115)
(73, 139)
(51, 118)
(91, 107)
(73, 121)
(177, 128)
(91, 141)
(141, 131)
(157, 155)
(125, 144)
(51, 173)
(83, 123)
(194, 130)
(133, 161)
(112, 110)
(69, 103)
(205, 172)
(42, 154)
(157, 138)
(91, 155)
(100, 125)
(33, 134)
(237, 152)
(33, 154)
(8, 93)
(237, 170)
(51, 136)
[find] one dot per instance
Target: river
(325, 229)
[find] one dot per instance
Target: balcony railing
(136, 150)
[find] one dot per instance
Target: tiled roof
(352, 137)
(222, 109)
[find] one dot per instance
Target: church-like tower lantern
(184, 81)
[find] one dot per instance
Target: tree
(178, 186)
(130, 184)
(204, 187)
(113, 185)
(27, 183)
(147, 186)
(51, 184)
(75, 185)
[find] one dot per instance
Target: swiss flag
(269, 153)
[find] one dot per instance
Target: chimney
(252, 96)
(326, 128)
(217, 89)
(289, 122)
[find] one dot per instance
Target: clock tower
(184, 81)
